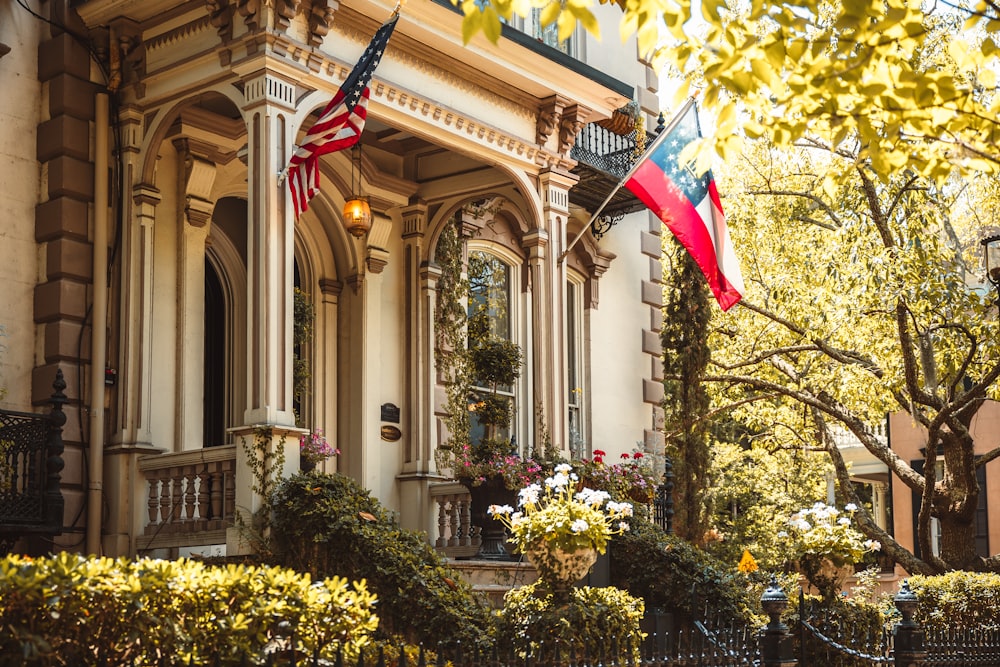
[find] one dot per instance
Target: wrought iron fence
(31, 466)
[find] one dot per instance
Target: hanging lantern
(357, 210)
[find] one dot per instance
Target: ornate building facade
(151, 252)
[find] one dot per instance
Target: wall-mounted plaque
(391, 433)
(390, 413)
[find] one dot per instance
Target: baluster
(215, 492)
(459, 535)
(153, 503)
(204, 480)
(441, 541)
(465, 520)
(190, 494)
(166, 513)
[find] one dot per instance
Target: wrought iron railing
(31, 464)
(608, 151)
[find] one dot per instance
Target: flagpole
(656, 142)
(283, 174)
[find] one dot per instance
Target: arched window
(495, 353)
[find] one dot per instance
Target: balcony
(604, 153)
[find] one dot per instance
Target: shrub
(329, 525)
(674, 575)
(600, 624)
(957, 599)
(71, 610)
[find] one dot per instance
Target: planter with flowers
(826, 546)
(314, 449)
(632, 479)
(562, 530)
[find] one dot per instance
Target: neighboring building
(895, 505)
(139, 189)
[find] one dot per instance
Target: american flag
(340, 124)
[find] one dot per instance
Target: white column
(196, 178)
(325, 373)
(269, 105)
(549, 305)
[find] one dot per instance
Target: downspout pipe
(99, 333)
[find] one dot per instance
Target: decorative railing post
(54, 502)
(663, 504)
(775, 640)
(908, 637)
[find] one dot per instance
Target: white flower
(500, 509)
(529, 495)
(564, 468)
(622, 526)
(593, 498)
(579, 526)
(850, 507)
(873, 545)
(557, 481)
(844, 521)
(782, 534)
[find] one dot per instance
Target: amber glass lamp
(357, 210)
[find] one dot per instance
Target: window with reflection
(496, 358)
(574, 366)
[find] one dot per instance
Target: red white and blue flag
(689, 205)
(340, 124)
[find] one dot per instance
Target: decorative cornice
(185, 31)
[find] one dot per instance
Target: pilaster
(548, 280)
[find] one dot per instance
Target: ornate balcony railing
(31, 464)
(457, 538)
(191, 497)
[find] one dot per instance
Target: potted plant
(561, 530)
(826, 546)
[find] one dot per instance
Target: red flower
(625, 455)
(638, 455)
(598, 452)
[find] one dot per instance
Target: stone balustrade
(457, 538)
(191, 497)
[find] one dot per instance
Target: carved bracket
(572, 121)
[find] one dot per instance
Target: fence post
(908, 637)
(775, 640)
(54, 502)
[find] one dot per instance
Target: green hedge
(957, 599)
(598, 625)
(71, 610)
(329, 525)
(674, 575)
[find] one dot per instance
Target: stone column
(418, 421)
(548, 279)
(326, 360)
(365, 368)
(269, 106)
(196, 177)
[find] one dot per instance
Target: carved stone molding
(321, 14)
(197, 179)
(572, 121)
(220, 15)
(415, 220)
(549, 114)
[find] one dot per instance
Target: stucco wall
(907, 440)
(19, 187)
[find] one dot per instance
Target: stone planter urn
(493, 533)
(559, 569)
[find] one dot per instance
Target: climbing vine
(452, 359)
